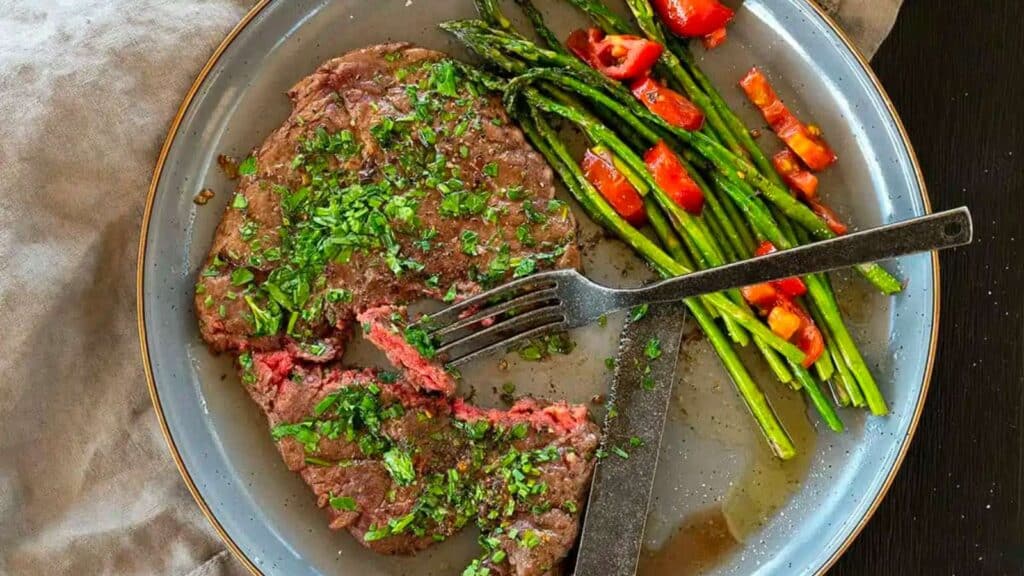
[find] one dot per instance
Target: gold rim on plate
(155, 396)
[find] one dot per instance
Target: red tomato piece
(600, 171)
(670, 105)
(672, 177)
(761, 295)
(829, 216)
(810, 147)
(715, 39)
(799, 180)
(619, 56)
(793, 286)
(786, 318)
(808, 338)
(811, 342)
(693, 18)
(783, 322)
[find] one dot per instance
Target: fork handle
(933, 232)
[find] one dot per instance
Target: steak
(394, 179)
(402, 469)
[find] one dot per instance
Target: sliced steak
(392, 179)
(402, 469)
(384, 327)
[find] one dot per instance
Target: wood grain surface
(954, 70)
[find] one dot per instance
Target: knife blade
(620, 492)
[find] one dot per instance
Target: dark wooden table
(953, 69)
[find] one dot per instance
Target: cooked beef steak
(402, 469)
(392, 179)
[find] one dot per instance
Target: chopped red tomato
(811, 342)
(799, 180)
(762, 295)
(693, 18)
(670, 105)
(793, 286)
(672, 177)
(715, 39)
(787, 319)
(784, 322)
(600, 170)
(619, 56)
(829, 216)
(808, 145)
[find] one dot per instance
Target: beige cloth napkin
(87, 89)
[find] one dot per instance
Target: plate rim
(172, 133)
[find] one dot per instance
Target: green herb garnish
(345, 503)
(638, 312)
(247, 166)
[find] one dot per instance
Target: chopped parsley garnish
(418, 338)
(646, 381)
(525, 267)
(240, 202)
(523, 235)
(443, 78)
(469, 240)
(653, 349)
(515, 193)
(638, 312)
(399, 465)
(451, 294)
(620, 452)
(241, 276)
(529, 539)
(609, 363)
(266, 321)
(540, 348)
(339, 295)
(491, 169)
(345, 503)
(475, 568)
(247, 167)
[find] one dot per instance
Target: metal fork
(563, 299)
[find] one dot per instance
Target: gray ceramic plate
(723, 505)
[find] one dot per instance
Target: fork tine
(451, 314)
(505, 328)
(526, 299)
(555, 323)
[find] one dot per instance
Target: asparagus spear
(537, 20)
(607, 20)
(549, 145)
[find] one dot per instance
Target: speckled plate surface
(723, 505)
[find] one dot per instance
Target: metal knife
(620, 493)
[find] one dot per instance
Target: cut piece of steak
(386, 328)
(402, 469)
(393, 178)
